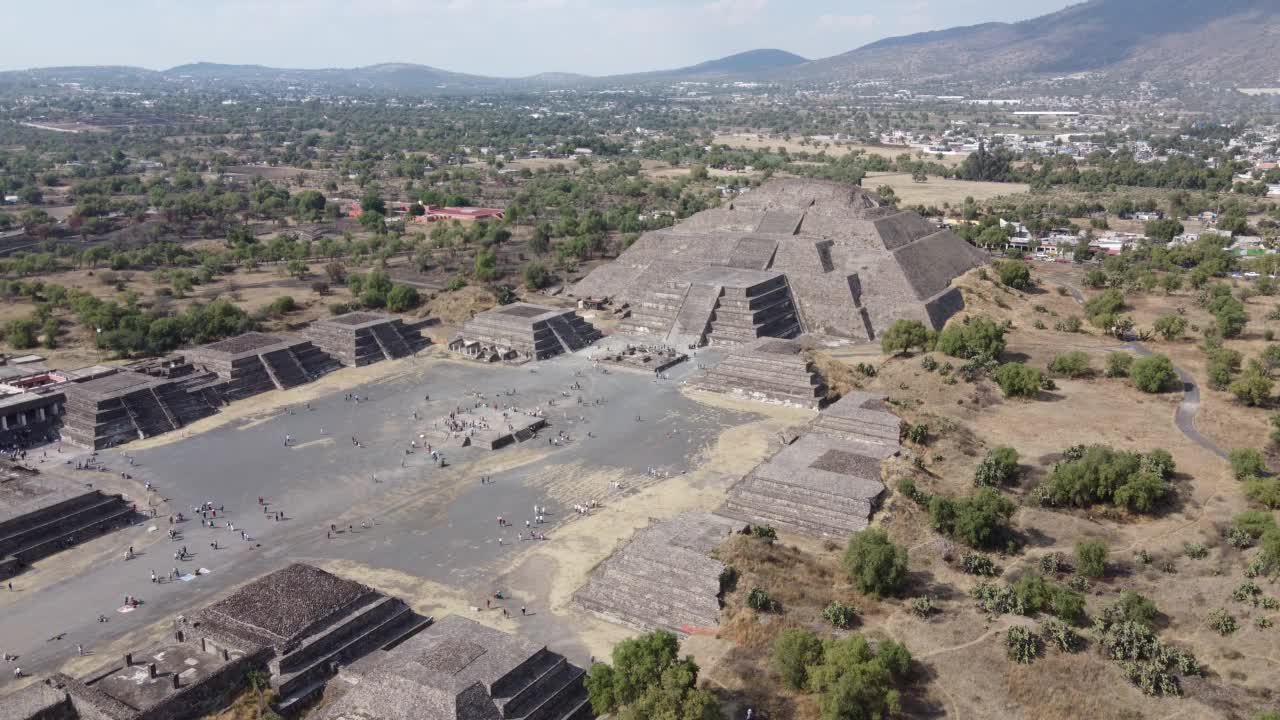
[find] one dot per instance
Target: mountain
(752, 61)
(1232, 42)
(389, 77)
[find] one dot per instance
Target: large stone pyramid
(791, 256)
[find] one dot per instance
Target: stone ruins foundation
(296, 624)
(827, 483)
(663, 578)
(768, 369)
(523, 331)
(459, 669)
(113, 409)
(791, 256)
(363, 338)
(40, 514)
(255, 362)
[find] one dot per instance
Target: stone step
(96, 526)
(342, 629)
(291, 684)
(565, 700)
(790, 523)
(81, 515)
(644, 617)
(650, 605)
(544, 689)
(838, 513)
(515, 684)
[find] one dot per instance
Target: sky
(508, 38)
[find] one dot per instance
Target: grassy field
(940, 190)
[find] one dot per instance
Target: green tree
(1073, 364)
(535, 275)
(21, 333)
(1252, 389)
(486, 266)
(1246, 463)
(973, 337)
(1018, 380)
(1170, 327)
(1015, 274)
(1091, 558)
(540, 243)
(1164, 230)
(794, 652)
(1153, 374)
(648, 680)
(402, 298)
(875, 565)
(999, 467)
(903, 335)
(859, 682)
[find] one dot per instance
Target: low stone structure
(827, 482)
(487, 427)
(769, 370)
(523, 331)
(849, 263)
(307, 621)
(30, 417)
(40, 514)
(362, 338)
(639, 356)
(113, 409)
(663, 578)
(459, 669)
(716, 305)
(255, 362)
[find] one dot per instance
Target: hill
(1232, 42)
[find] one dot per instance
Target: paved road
(1185, 415)
(428, 522)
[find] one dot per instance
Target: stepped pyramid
(523, 331)
(770, 370)
(362, 338)
(256, 362)
(113, 409)
(459, 669)
(847, 264)
(663, 578)
(827, 483)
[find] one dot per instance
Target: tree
(1073, 364)
(974, 337)
(993, 237)
(1246, 463)
(979, 520)
(373, 202)
(535, 275)
(647, 680)
(310, 205)
(1253, 388)
(999, 467)
(1170, 327)
(1018, 380)
(50, 331)
(794, 652)
(21, 333)
(1153, 374)
(903, 335)
(859, 682)
(486, 267)
(402, 298)
(1015, 274)
(1164, 230)
(1091, 558)
(875, 565)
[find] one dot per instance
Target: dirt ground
(962, 668)
(938, 191)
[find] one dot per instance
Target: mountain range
(1235, 43)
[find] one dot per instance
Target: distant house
(461, 214)
(1273, 191)
(11, 199)
(1148, 215)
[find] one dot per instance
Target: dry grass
(938, 191)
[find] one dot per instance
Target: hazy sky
(490, 37)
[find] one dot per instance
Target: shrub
(1108, 302)
(856, 680)
(918, 434)
(1153, 374)
(1265, 491)
(999, 467)
(979, 520)
(923, 607)
(978, 564)
(1253, 388)
(535, 275)
(841, 615)
(1052, 563)
(1099, 474)
(1253, 523)
(1069, 324)
(1119, 364)
(758, 599)
(903, 335)
(1170, 327)
(1246, 463)
(794, 652)
(1221, 621)
(1060, 635)
(1091, 558)
(928, 363)
(21, 333)
(1022, 645)
(1223, 365)
(875, 565)
(975, 336)
(401, 298)
(1018, 380)
(764, 532)
(1195, 551)
(1015, 274)
(455, 283)
(1132, 607)
(1074, 364)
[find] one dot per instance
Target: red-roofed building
(462, 214)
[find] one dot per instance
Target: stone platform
(663, 578)
(523, 331)
(639, 356)
(255, 362)
(716, 305)
(113, 409)
(40, 514)
(850, 264)
(459, 669)
(827, 483)
(363, 338)
(486, 427)
(768, 370)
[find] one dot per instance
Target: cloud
(846, 22)
(734, 12)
